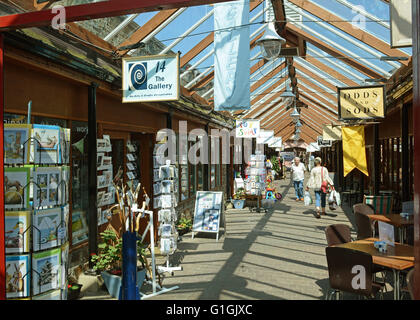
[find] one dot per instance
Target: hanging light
(287, 93)
(270, 43)
(295, 115)
(298, 130)
(298, 124)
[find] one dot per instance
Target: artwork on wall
(79, 227)
(16, 143)
(17, 233)
(46, 270)
(17, 276)
(16, 188)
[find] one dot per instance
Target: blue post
(129, 289)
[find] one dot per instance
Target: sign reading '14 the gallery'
(151, 78)
(366, 102)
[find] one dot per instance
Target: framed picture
(46, 270)
(79, 227)
(45, 231)
(16, 188)
(18, 276)
(16, 231)
(46, 141)
(16, 143)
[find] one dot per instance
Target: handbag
(324, 184)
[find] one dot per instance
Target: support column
(2, 247)
(340, 165)
(376, 160)
(405, 160)
(206, 182)
(92, 172)
(416, 133)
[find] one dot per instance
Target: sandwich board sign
(150, 78)
(208, 212)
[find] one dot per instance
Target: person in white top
(298, 176)
(318, 175)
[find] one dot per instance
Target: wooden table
(396, 220)
(398, 258)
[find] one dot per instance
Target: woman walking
(319, 180)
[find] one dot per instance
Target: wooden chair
(382, 204)
(337, 234)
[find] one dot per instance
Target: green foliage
(275, 163)
(184, 223)
(239, 194)
(109, 257)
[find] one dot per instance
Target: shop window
(80, 200)
(15, 118)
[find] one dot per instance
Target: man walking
(298, 175)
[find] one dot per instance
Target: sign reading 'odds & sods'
(357, 103)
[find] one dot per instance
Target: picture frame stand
(156, 288)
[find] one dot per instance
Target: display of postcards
(65, 184)
(47, 186)
(260, 165)
(157, 188)
(16, 143)
(101, 145)
(50, 295)
(253, 157)
(131, 175)
(260, 157)
(45, 226)
(167, 201)
(111, 191)
(165, 230)
(165, 215)
(16, 188)
(166, 245)
(108, 145)
(105, 179)
(131, 166)
(166, 172)
(79, 227)
(167, 186)
(157, 202)
(64, 145)
(131, 147)
(16, 231)
(46, 270)
(18, 276)
(176, 186)
(156, 174)
(130, 157)
(211, 220)
(107, 198)
(100, 196)
(64, 264)
(46, 140)
(106, 161)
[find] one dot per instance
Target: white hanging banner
(151, 78)
(265, 136)
(275, 142)
(247, 128)
(231, 58)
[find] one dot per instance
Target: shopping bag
(332, 200)
(307, 198)
(337, 198)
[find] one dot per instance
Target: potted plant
(184, 225)
(73, 291)
(276, 167)
(109, 262)
(239, 198)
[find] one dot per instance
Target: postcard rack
(36, 211)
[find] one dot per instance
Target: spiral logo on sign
(138, 76)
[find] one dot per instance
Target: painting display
(46, 270)
(208, 209)
(16, 143)
(17, 276)
(16, 187)
(46, 141)
(17, 233)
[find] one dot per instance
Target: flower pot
(73, 292)
(238, 204)
(183, 231)
(113, 282)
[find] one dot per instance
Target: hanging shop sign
(400, 26)
(275, 142)
(265, 136)
(331, 132)
(323, 143)
(247, 128)
(356, 103)
(150, 78)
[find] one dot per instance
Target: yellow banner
(354, 152)
(361, 102)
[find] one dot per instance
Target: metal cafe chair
(340, 266)
(337, 234)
